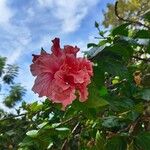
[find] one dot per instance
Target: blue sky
(28, 25)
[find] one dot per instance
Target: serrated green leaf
(114, 67)
(143, 34)
(121, 49)
(121, 30)
(95, 99)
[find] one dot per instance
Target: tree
(127, 9)
(16, 92)
(7, 75)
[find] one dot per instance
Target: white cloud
(16, 42)
(16, 36)
(30, 12)
(70, 13)
(5, 12)
(14, 56)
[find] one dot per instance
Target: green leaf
(146, 94)
(121, 49)
(34, 107)
(121, 30)
(144, 34)
(102, 42)
(95, 99)
(113, 59)
(142, 141)
(42, 125)
(115, 80)
(116, 143)
(50, 145)
(146, 16)
(110, 122)
(62, 129)
(2, 64)
(27, 141)
(98, 78)
(101, 33)
(54, 125)
(91, 45)
(10, 132)
(138, 108)
(103, 91)
(114, 67)
(32, 133)
(100, 141)
(121, 104)
(96, 24)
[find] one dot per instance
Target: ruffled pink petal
(56, 50)
(78, 77)
(83, 92)
(59, 80)
(71, 50)
(72, 63)
(45, 63)
(59, 95)
(86, 64)
(69, 99)
(42, 84)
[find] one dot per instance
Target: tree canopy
(128, 9)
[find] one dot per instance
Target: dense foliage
(128, 9)
(116, 115)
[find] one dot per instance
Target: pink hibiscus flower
(60, 74)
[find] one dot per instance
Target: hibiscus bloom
(60, 75)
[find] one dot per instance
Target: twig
(72, 132)
(70, 119)
(144, 59)
(126, 20)
(14, 116)
(134, 125)
(98, 37)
